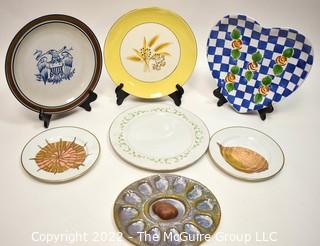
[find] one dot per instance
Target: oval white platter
(249, 138)
(60, 154)
(159, 137)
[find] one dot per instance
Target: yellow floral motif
(152, 55)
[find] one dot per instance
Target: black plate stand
(120, 94)
(263, 112)
(45, 117)
(176, 96)
(91, 98)
(222, 100)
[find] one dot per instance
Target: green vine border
(199, 136)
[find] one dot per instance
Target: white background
(287, 204)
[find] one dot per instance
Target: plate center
(49, 65)
(159, 135)
(150, 52)
(177, 204)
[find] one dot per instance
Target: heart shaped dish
(256, 66)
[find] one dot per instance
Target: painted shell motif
(169, 206)
(60, 156)
(244, 159)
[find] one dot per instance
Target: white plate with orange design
(246, 153)
(60, 154)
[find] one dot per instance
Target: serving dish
(166, 210)
(252, 140)
(256, 66)
(159, 137)
(60, 154)
(53, 63)
(150, 51)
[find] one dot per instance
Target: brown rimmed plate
(53, 63)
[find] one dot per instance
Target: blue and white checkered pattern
(271, 43)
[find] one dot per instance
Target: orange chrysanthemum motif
(253, 66)
(264, 90)
(281, 60)
(230, 78)
(59, 156)
(236, 44)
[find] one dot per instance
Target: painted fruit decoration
(280, 62)
(235, 53)
(253, 65)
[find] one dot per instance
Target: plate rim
(146, 90)
(161, 171)
(243, 178)
(15, 43)
(65, 180)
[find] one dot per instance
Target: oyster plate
(198, 211)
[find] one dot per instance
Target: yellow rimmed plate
(150, 50)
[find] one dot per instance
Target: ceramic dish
(256, 66)
(52, 63)
(60, 154)
(150, 51)
(159, 137)
(262, 145)
(166, 210)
